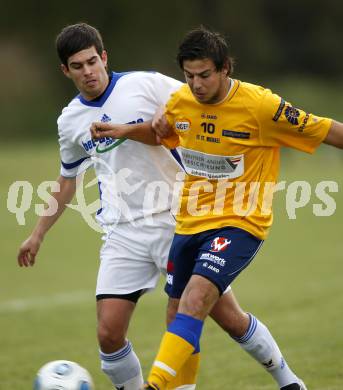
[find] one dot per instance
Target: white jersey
(135, 180)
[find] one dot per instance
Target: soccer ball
(63, 375)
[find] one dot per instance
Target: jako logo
(219, 244)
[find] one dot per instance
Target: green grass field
(294, 286)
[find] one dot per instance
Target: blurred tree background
(293, 47)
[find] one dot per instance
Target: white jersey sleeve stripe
(73, 164)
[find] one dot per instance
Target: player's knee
(110, 340)
(197, 302)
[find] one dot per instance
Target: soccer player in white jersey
(135, 251)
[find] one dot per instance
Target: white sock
(123, 368)
(260, 344)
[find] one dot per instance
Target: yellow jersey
(230, 152)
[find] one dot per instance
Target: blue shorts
(218, 255)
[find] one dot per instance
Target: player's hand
(160, 124)
(28, 251)
(101, 130)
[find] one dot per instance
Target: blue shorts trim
(219, 255)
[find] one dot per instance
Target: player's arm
(29, 248)
(335, 135)
(141, 132)
(160, 124)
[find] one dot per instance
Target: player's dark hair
(75, 38)
(202, 43)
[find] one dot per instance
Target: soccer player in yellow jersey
(228, 136)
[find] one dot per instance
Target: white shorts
(134, 255)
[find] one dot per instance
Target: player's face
(206, 83)
(88, 71)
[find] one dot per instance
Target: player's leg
(183, 247)
(229, 316)
(172, 307)
(254, 337)
(164, 227)
(118, 359)
(182, 338)
(186, 376)
(126, 269)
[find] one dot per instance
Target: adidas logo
(105, 118)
